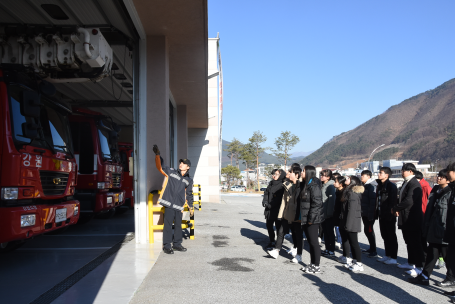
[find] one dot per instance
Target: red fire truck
(38, 168)
(95, 140)
(126, 156)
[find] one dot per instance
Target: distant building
(373, 166)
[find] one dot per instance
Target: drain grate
(67, 283)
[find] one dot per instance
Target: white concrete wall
(203, 144)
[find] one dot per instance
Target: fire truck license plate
(60, 215)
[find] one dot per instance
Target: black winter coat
(351, 211)
(410, 207)
(449, 235)
(272, 200)
(291, 195)
(311, 203)
(434, 224)
(369, 204)
(338, 207)
(387, 195)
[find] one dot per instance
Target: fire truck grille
(54, 183)
(116, 178)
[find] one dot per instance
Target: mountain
(300, 154)
(419, 128)
(265, 158)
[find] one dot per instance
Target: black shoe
(271, 245)
(373, 254)
(179, 248)
(168, 250)
(445, 283)
(419, 280)
(449, 293)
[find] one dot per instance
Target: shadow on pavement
(335, 293)
(257, 224)
(258, 237)
(389, 290)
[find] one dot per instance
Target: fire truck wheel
(106, 215)
(10, 246)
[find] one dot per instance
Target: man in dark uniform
(177, 188)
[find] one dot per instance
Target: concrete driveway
(227, 263)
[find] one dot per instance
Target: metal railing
(199, 195)
(185, 223)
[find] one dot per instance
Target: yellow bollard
(150, 213)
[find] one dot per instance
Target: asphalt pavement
(227, 263)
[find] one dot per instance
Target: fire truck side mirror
(30, 130)
(31, 104)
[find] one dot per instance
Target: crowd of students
(313, 206)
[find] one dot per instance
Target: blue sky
(319, 68)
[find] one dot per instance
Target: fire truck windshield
(54, 130)
(104, 143)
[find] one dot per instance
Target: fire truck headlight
(76, 210)
(101, 185)
(28, 220)
(109, 200)
(10, 193)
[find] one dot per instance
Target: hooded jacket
(351, 209)
(311, 203)
(328, 199)
(386, 195)
(291, 197)
(369, 205)
(175, 186)
(410, 206)
(434, 224)
(272, 198)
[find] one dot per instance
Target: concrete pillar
(182, 132)
(203, 144)
(157, 112)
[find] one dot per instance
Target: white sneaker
(297, 259)
(383, 259)
(414, 272)
(391, 262)
(337, 245)
(288, 236)
(406, 266)
(357, 267)
(320, 241)
(293, 252)
(342, 259)
(289, 250)
(349, 263)
(273, 253)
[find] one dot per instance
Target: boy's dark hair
(296, 170)
(451, 167)
(418, 174)
(273, 171)
(443, 173)
(387, 171)
(409, 167)
(327, 172)
(335, 175)
(367, 172)
(295, 165)
(339, 179)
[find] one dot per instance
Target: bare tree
(256, 141)
(248, 156)
(234, 149)
(284, 143)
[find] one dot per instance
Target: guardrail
(185, 223)
(199, 195)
